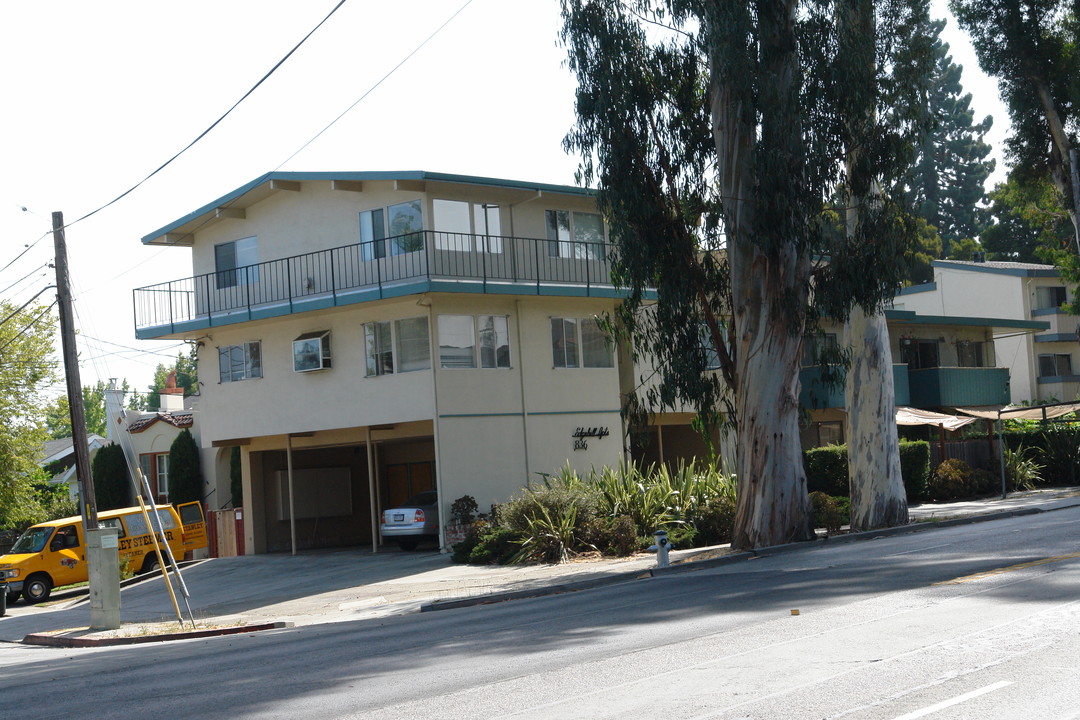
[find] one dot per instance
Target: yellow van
(53, 553)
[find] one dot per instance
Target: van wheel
(151, 564)
(37, 588)
(407, 545)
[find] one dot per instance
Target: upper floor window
(395, 230)
(580, 342)
(311, 351)
(970, 353)
(461, 335)
(1049, 297)
(919, 354)
(577, 235)
(235, 263)
(240, 362)
(467, 227)
(401, 345)
(819, 349)
(1055, 365)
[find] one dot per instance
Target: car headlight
(8, 574)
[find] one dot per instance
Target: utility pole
(71, 370)
(101, 549)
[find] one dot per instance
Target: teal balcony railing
(959, 386)
(416, 262)
(816, 394)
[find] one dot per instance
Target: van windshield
(32, 541)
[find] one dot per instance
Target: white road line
(955, 701)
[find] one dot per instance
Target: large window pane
(494, 341)
(413, 347)
(588, 236)
(564, 350)
(452, 228)
(372, 234)
(406, 226)
(595, 347)
(379, 350)
(236, 262)
(456, 341)
(558, 232)
(487, 224)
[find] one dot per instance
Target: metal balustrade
(373, 270)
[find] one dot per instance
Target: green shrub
(495, 548)
(714, 521)
(463, 510)
(1022, 471)
(185, 470)
(826, 512)
(827, 470)
(915, 467)
(951, 480)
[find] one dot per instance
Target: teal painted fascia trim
(372, 176)
(1014, 272)
(1055, 337)
(914, 289)
(1042, 312)
(531, 414)
(978, 322)
(894, 314)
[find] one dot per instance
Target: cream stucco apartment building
(1044, 362)
(382, 333)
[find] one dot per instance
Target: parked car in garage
(414, 521)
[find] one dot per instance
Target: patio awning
(914, 416)
(1022, 412)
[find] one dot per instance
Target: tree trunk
(767, 273)
(772, 506)
(878, 498)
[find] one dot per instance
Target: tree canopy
(716, 133)
(27, 341)
(951, 165)
(187, 377)
(1032, 47)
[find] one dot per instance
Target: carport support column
(103, 556)
(371, 494)
(292, 513)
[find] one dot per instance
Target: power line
(215, 123)
(30, 325)
(318, 134)
(370, 90)
(40, 267)
(31, 247)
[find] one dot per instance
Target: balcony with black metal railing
(424, 261)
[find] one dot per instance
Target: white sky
(97, 95)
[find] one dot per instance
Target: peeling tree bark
(878, 498)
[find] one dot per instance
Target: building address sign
(582, 434)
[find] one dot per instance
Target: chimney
(172, 397)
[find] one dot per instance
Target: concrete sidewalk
(260, 591)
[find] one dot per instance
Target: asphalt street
(979, 621)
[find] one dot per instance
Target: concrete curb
(690, 565)
(79, 642)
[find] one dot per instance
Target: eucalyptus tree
(1032, 47)
(716, 133)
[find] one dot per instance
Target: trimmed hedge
(827, 469)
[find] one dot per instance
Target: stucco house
(147, 436)
(61, 453)
(1044, 361)
(364, 336)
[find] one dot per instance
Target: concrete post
(103, 556)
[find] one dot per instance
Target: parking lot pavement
(349, 584)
